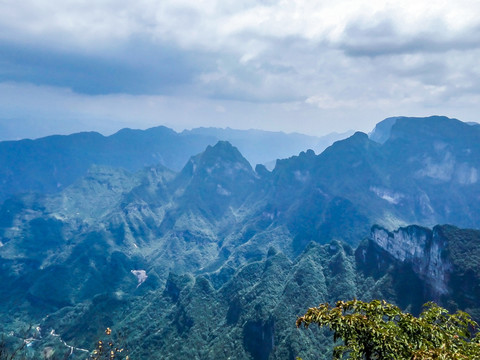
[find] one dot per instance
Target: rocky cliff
(423, 248)
(445, 258)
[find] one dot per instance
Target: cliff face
(446, 259)
(423, 248)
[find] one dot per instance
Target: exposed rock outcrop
(423, 248)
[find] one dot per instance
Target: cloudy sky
(310, 66)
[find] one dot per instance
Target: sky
(308, 66)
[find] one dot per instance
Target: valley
(216, 259)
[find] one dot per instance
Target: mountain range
(50, 164)
(217, 259)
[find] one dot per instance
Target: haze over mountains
(233, 253)
(52, 163)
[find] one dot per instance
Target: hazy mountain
(237, 240)
(50, 164)
(264, 147)
(425, 173)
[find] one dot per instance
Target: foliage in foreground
(379, 330)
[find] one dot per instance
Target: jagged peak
(303, 160)
(221, 155)
(224, 150)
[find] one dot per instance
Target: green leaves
(379, 330)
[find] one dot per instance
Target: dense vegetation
(378, 330)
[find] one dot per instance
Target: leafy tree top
(379, 330)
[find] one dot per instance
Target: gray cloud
(316, 63)
(384, 39)
(137, 68)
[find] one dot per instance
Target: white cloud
(358, 58)
(217, 24)
(328, 102)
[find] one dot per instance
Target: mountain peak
(220, 168)
(352, 145)
(225, 151)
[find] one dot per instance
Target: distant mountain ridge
(263, 147)
(50, 164)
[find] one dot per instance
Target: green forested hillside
(249, 312)
(230, 255)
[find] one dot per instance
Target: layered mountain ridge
(50, 164)
(212, 231)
